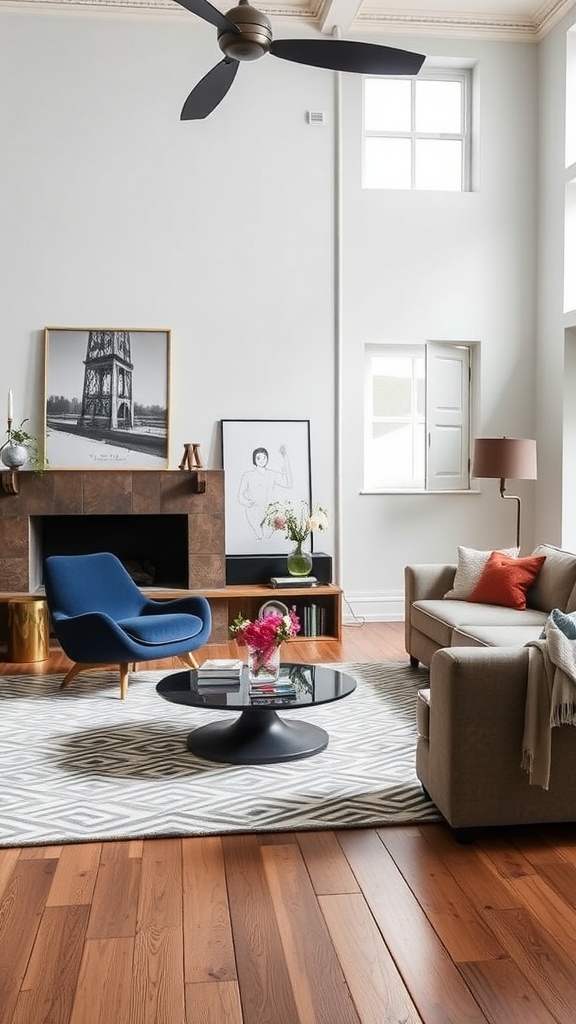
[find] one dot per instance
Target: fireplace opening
(153, 548)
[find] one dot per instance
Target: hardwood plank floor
(398, 925)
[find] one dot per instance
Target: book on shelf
(220, 668)
(313, 618)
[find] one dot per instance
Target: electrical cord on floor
(357, 620)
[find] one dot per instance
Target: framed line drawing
(106, 398)
(263, 461)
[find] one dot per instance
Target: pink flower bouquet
(264, 636)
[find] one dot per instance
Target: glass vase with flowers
(297, 525)
(263, 637)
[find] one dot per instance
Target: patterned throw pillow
(505, 580)
(567, 623)
(471, 564)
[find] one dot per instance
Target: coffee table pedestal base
(257, 737)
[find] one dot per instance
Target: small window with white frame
(417, 416)
(417, 132)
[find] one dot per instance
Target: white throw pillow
(469, 570)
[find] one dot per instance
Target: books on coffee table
(272, 689)
(223, 669)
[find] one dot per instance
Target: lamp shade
(505, 458)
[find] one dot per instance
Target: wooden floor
(398, 924)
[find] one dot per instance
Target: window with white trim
(417, 406)
(417, 132)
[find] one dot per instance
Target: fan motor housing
(254, 38)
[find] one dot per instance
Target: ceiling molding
(340, 14)
(504, 27)
(352, 16)
(501, 27)
(549, 14)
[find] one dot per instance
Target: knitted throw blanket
(550, 693)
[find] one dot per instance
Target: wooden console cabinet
(229, 602)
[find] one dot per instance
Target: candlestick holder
(13, 456)
(192, 461)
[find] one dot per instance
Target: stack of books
(312, 620)
(293, 581)
(272, 691)
(220, 671)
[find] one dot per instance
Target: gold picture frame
(106, 397)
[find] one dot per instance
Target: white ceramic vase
(14, 456)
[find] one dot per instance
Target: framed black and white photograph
(264, 461)
(106, 398)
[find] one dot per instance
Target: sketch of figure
(258, 486)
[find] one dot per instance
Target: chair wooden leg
(76, 669)
(79, 667)
(188, 659)
(124, 667)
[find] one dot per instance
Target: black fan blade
(209, 13)
(345, 55)
(210, 91)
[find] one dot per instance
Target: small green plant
(19, 435)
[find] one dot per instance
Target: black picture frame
(252, 480)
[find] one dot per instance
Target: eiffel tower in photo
(107, 396)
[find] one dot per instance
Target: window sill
(418, 490)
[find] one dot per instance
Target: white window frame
(447, 431)
(464, 76)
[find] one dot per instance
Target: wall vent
(316, 117)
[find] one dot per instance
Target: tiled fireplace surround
(109, 492)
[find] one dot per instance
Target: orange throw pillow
(505, 580)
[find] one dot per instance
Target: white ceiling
(501, 19)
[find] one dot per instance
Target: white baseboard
(372, 606)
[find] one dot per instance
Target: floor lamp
(505, 458)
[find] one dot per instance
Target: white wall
(114, 213)
(444, 266)
(552, 320)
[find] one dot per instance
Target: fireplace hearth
(152, 520)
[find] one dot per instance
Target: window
(417, 416)
(416, 132)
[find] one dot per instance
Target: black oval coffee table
(259, 735)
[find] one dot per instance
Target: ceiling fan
(246, 34)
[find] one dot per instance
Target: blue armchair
(100, 617)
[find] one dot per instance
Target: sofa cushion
(437, 619)
(506, 580)
(556, 580)
(497, 636)
(470, 566)
(168, 628)
(571, 602)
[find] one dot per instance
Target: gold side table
(28, 631)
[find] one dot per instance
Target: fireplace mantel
(113, 492)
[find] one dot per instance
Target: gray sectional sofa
(471, 716)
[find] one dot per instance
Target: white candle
(10, 405)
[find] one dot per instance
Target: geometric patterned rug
(81, 765)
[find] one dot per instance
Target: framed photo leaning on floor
(264, 461)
